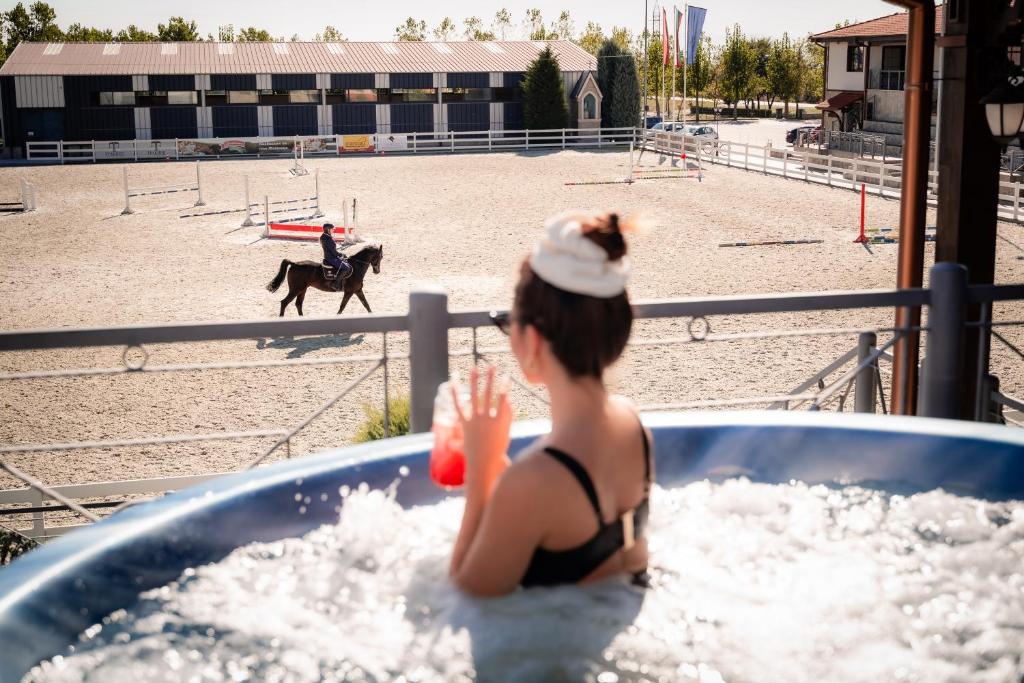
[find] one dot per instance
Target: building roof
(891, 26)
(67, 59)
(841, 101)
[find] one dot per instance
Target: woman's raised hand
(485, 425)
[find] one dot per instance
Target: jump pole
(344, 213)
(266, 215)
(862, 238)
(199, 187)
(127, 195)
(316, 184)
(354, 219)
(248, 207)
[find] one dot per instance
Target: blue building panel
(513, 116)
(354, 119)
(173, 122)
(81, 91)
(469, 80)
(295, 119)
(235, 122)
(165, 82)
(412, 118)
(102, 123)
(293, 81)
(511, 79)
(233, 82)
(412, 80)
(469, 116)
(353, 81)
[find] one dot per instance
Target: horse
(305, 274)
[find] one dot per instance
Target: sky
(371, 21)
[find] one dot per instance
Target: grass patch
(372, 428)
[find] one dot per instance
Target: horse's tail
(279, 278)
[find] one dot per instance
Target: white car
(699, 131)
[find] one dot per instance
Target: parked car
(651, 121)
(813, 132)
(698, 130)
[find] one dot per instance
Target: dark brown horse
(305, 274)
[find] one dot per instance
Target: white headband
(568, 260)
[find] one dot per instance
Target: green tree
(535, 25)
(625, 94)
(473, 29)
(562, 28)
(813, 66)
(254, 35)
(654, 71)
(330, 35)
(38, 23)
(502, 23)
(591, 39)
(608, 58)
(411, 30)
(761, 49)
(76, 33)
(226, 33)
(177, 30)
(446, 30)
(544, 103)
(134, 34)
(737, 67)
(700, 74)
(622, 37)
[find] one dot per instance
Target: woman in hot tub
(573, 507)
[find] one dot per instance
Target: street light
(1004, 110)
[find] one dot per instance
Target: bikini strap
(581, 475)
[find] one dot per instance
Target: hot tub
(51, 595)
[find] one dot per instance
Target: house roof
(582, 83)
(67, 59)
(841, 101)
(891, 26)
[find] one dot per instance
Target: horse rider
(334, 258)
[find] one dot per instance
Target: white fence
(882, 177)
(327, 145)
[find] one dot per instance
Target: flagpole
(686, 50)
(664, 38)
(675, 52)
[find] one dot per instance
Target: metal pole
(864, 398)
(199, 187)
(344, 214)
(913, 195)
(127, 196)
(266, 216)
(982, 398)
(355, 219)
(946, 315)
(316, 184)
(428, 353)
(647, 60)
(686, 47)
(248, 206)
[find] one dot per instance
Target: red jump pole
(862, 238)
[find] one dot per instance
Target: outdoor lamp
(1004, 110)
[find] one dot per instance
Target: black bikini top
(551, 567)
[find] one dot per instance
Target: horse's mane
(361, 247)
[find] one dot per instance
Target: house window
(182, 97)
(117, 99)
(894, 58)
(304, 96)
(361, 95)
(466, 95)
(269, 96)
(855, 58)
(590, 106)
(412, 95)
(243, 97)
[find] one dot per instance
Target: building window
(854, 58)
(894, 58)
(507, 94)
(117, 99)
(215, 97)
(182, 97)
(589, 106)
(466, 95)
(411, 94)
(304, 96)
(268, 97)
(243, 97)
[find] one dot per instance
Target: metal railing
(63, 151)
(428, 324)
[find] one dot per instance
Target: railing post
(563, 138)
(428, 353)
(785, 162)
(1016, 200)
(941, 383)
(527, 139)
(830, 170)
(746, 156)
(864, 398)
(766, 152)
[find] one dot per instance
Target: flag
(679, 44)
(664, 37)
(694, 27)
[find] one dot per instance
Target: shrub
(13, 544)
(372, 428)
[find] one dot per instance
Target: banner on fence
(391, 142)
(356, 143)
(226, 147)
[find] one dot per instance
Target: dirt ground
(464, 222)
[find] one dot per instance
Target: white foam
(750, 583)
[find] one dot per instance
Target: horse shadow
(300, 346)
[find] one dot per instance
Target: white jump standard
(287, 206)
(170, 189)
(27, 203)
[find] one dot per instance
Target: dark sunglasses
(503, 321)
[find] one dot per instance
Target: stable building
(151, 91)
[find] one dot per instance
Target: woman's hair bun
(606, 232)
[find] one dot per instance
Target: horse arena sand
(464, 222)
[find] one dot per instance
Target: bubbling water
(750, 582)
